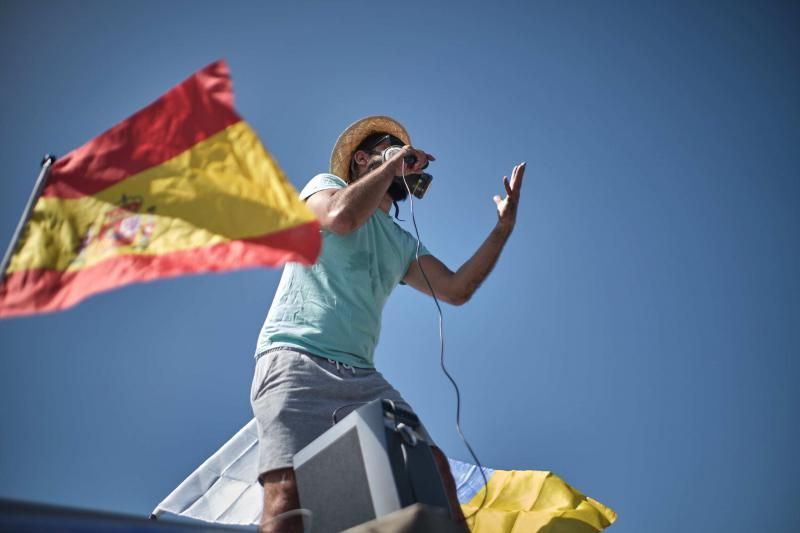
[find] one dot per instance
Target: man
(315, 350)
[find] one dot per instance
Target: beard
(397, 190)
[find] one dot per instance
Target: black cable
(441, 353)
(335, 411)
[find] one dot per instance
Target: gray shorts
(294, 396)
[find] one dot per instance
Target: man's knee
(277, 477)
(280, 496)
(280, 488)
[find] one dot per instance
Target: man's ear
(361, 157)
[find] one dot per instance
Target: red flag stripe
(193, 111)
(45, 290)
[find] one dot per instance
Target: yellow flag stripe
(226, 187)
(532, 500)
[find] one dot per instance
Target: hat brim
(350, 138)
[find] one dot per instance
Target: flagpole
(47, 162)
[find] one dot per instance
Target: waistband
(287, 349)
(320, 358)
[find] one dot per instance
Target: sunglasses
(393, 141)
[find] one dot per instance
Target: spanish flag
(182, 186)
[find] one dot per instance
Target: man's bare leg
(280, 496)
(449, 483)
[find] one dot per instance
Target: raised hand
(507, 207)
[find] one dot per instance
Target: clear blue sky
(640, 334)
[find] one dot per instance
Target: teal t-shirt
(333, 308)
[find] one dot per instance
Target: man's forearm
(456, 288)
(356, 202)
(475, 270)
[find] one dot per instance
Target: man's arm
(344, 210)
(458, 287)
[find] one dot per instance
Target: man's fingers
(512, 187)
(516, 178)
(423, 158)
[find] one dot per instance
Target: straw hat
(350, 138)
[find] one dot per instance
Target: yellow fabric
(534, 501)
(226, 187)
